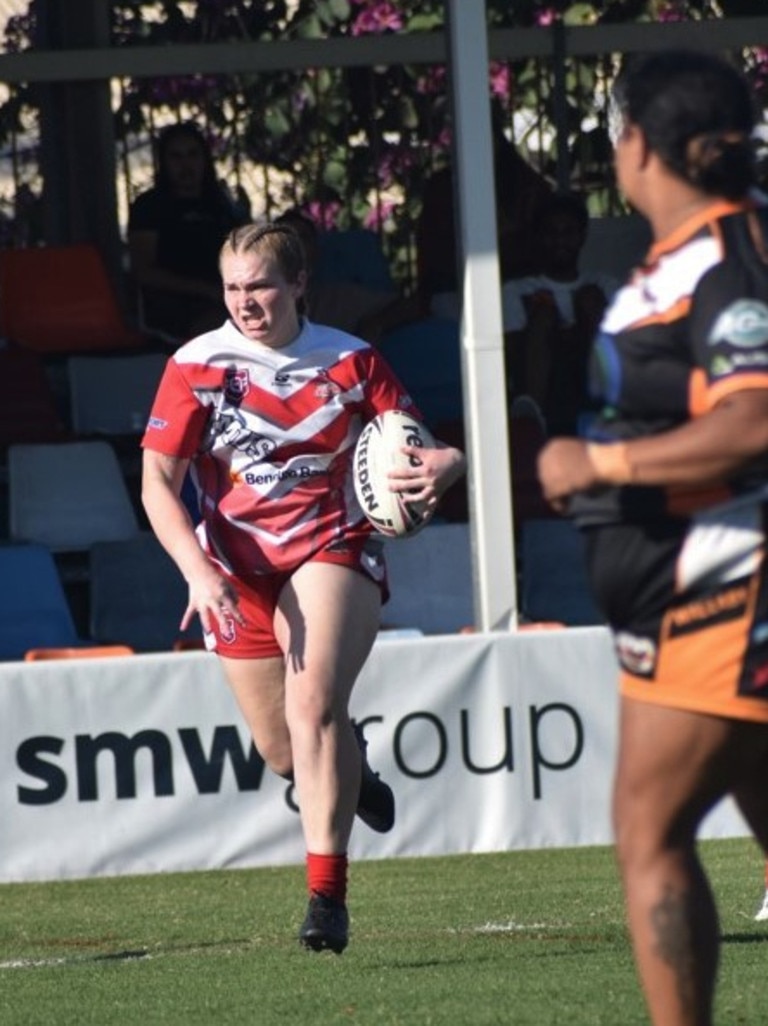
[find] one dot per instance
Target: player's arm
(161, 484)
(706, 450)
(431, 473)
(210, 594)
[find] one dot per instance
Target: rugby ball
(376, 453)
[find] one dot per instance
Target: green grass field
(515, 938)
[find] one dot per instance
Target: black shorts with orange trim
(687, 602)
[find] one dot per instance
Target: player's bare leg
(673, 767)
(326, 622)
(259, 689)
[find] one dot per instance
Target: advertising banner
(142, 764)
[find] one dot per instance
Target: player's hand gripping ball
(377, 452)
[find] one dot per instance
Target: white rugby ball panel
(376, 453)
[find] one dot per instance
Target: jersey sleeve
(177, 418)
(384, 390)
(729, 330)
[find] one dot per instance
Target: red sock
(327, 874)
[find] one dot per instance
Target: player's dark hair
(696, 112)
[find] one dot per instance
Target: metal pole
(485, 401)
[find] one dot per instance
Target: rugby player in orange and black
(671, 491)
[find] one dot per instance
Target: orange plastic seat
(85, 652)
(60, 299)
(188, 645)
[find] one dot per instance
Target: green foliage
(358, 141)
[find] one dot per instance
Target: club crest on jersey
(326, 390)
(325, 387)
(744, 324)
(236, 384)
(228, 632)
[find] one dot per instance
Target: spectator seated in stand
(550, 317)
(520, 192)
(368, 310)
(175, 232)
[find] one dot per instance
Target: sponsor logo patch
(706, 612)
(637, 655)
(744, 324)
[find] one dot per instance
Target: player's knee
(279, 758)
(310, 714)
(645, 836)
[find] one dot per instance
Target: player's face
(261, 303)
(627, 160)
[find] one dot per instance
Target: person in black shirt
(175, 232)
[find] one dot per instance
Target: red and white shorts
(259, 595)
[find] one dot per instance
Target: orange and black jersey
(690, 327)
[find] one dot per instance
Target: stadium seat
(35, 655)
(553, 574)
(28, 411)
(353, 255)
(430, 580)
(78, 311)
(426, 357)
(68, 495)
(527, 435)
(112, 395)
(34, 611)
(138, 596)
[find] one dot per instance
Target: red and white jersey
(271, 434)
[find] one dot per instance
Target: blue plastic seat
(426, 356)
(137, 595)
(34, 610)
(353, 255)
(430, 579)
(553, 573)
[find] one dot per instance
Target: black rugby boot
(376, 803)
(326, 924)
